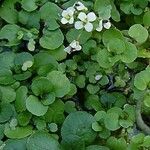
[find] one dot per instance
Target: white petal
(71, 21)
(98, 77)
(64, 13)
(28, 63)
(81, 6)
(82, 16)
(100, 27)
(88, 27)
(78, 48)
(107, 25)
(64, 21)
(68, 50)
(24, 68)
(91, 16)
(71, 9)
(78, 25)
(73, 44)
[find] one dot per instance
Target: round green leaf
(130, 53)
(146, 19)
(21, 95)
(18, 132)
(111, 121)
(22, 57)
(78, 125)
(8, 94)
(103, 59)
(136, 31)
(6, 76)
(5, 112)
(15, 144)
(29, 5)
(147, 100)
(81, 35)
(9, 32)
(96, 147)
(41, 86)
(96, 127)
(53, 127)
(33, 101)
(58, 80)
(116, 46)
(52, 39)
(42, 141)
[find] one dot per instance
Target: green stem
(141, 124)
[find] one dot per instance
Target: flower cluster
(74, 46)
(79, 16)
(82, 19)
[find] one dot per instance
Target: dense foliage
(74, 75)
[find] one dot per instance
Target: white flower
(27, 65)
(74, 46)
(85, 21)
(68, 16)
(103, 23)
(80, 6)
(98, 77)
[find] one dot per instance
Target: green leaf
(96, 127)
(22, 57)
(97, 147)
(42, 140)
(55, 112)
(44, 66)
(103, 59)
(9, 32)
(18, 132)
(48, 98)
(141, 80)
(53, 127)
(77, 125)
(100, 115)
(103, 8)
(147, 100)
(59, 53)
(50, 10)
(58, 80)
(40, 86)
(7, 59)
(8, 94)
(80, 81)
(51, 39)
(116, 144)
(33, 101)
(136, 31)
(15, 144)
(111, 34)
(111, 121)
(146, 142)
(116, 46)
(93, 89)
(6, 76)
(130, 53)
(24, 118)
(5, 112)
(80, 35)
(21, 96)
(70, 107)
(8, 12)
(146, 19)
(29, 5)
